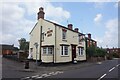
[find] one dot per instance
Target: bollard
(26, 64)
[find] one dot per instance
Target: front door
(73, 52)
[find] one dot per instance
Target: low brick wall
(95, 59)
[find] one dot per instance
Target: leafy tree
(91, 51)
(23, 44)
(100, 52)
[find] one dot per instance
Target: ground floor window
(80, 50)
(64, 50)
(47, 50)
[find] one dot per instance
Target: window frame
(63, 51)
(81, 51)
(64, 34)
(42, 37)
(47, 50)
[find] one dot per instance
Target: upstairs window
(64, 34)
(42, 36)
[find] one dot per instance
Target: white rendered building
(56, 43)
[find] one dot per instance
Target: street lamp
(36, 45)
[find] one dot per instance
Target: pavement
(0, 66)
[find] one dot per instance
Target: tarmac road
(108, 69)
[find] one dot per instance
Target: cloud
(16, 25)
(98, 18)
(110, 37)
(117, 5)
(99, 5)
(50, 11)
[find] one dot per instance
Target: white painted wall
(46, 26)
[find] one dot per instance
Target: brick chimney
(76, 29)
(89, 36)
(70, 26)
(41, 13)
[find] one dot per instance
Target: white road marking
(39, 77)
(25, 78)
(43, 75)
(51, 73)
(35, 76)
(102, 76)
(117, 65)
(111, 69)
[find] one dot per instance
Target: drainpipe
(55, 45)
(40, 43)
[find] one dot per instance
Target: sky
(98, 17)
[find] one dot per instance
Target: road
(108, 69)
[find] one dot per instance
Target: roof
(33, 28)
(62, 26)
(56, 25)
(5, 46)
(90, 39)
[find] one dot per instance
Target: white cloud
(98, 18)
(110, 37)
(57, 14)
(14, 23)
(117, 5)
(99, 5)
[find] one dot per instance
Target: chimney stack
(76, 30)
(41, 13)
(89, 36)
(70, 26)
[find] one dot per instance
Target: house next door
(73, 52)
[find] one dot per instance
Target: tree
(23, 44)
(91, 51)
(96, 52)
(100, 52)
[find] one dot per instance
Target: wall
(35, 37)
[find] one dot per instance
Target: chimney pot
(41, 13)
(76, 29)
(70, 26)
(89, 36)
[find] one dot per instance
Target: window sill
(81, 55)
(47, 54)
(64, 40)
(64, 55)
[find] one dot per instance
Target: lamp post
(36, 45)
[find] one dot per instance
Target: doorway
(73, 52)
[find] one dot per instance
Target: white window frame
(63, 51)
(42, 36)
(64, 35)
(47, 50)
(81, 51)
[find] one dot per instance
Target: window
(44, 50)
(64, 50)
(64, 34)
(50, 50)
(47, 50)
(42, 36)
(80, 50)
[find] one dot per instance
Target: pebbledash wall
(58, 43)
